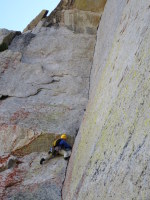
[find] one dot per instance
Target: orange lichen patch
(4, 159)
(9, 62)
(19, 115)
(9, 179)
(6, 65)
(3, 126)
(14, 178)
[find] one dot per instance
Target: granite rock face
(111, 155)
(44, 89)
(28, 180)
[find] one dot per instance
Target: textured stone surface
(29, 180)
(81, 21)
(111, 156)
(44, 85)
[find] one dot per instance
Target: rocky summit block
(35, 21)
(6, 37)
(79, 16)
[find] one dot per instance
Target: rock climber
(59, 147)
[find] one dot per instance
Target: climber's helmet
(64, 136)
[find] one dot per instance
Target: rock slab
(44, 89)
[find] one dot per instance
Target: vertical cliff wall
(111, 155)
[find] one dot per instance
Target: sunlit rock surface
(111, 155)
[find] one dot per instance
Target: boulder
(6, 37)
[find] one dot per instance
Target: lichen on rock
(111, 156)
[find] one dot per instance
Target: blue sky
(17, 14)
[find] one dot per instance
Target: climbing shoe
(42, 160)
(66, 158)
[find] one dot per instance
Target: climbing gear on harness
(51, 150)
(56, 142)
